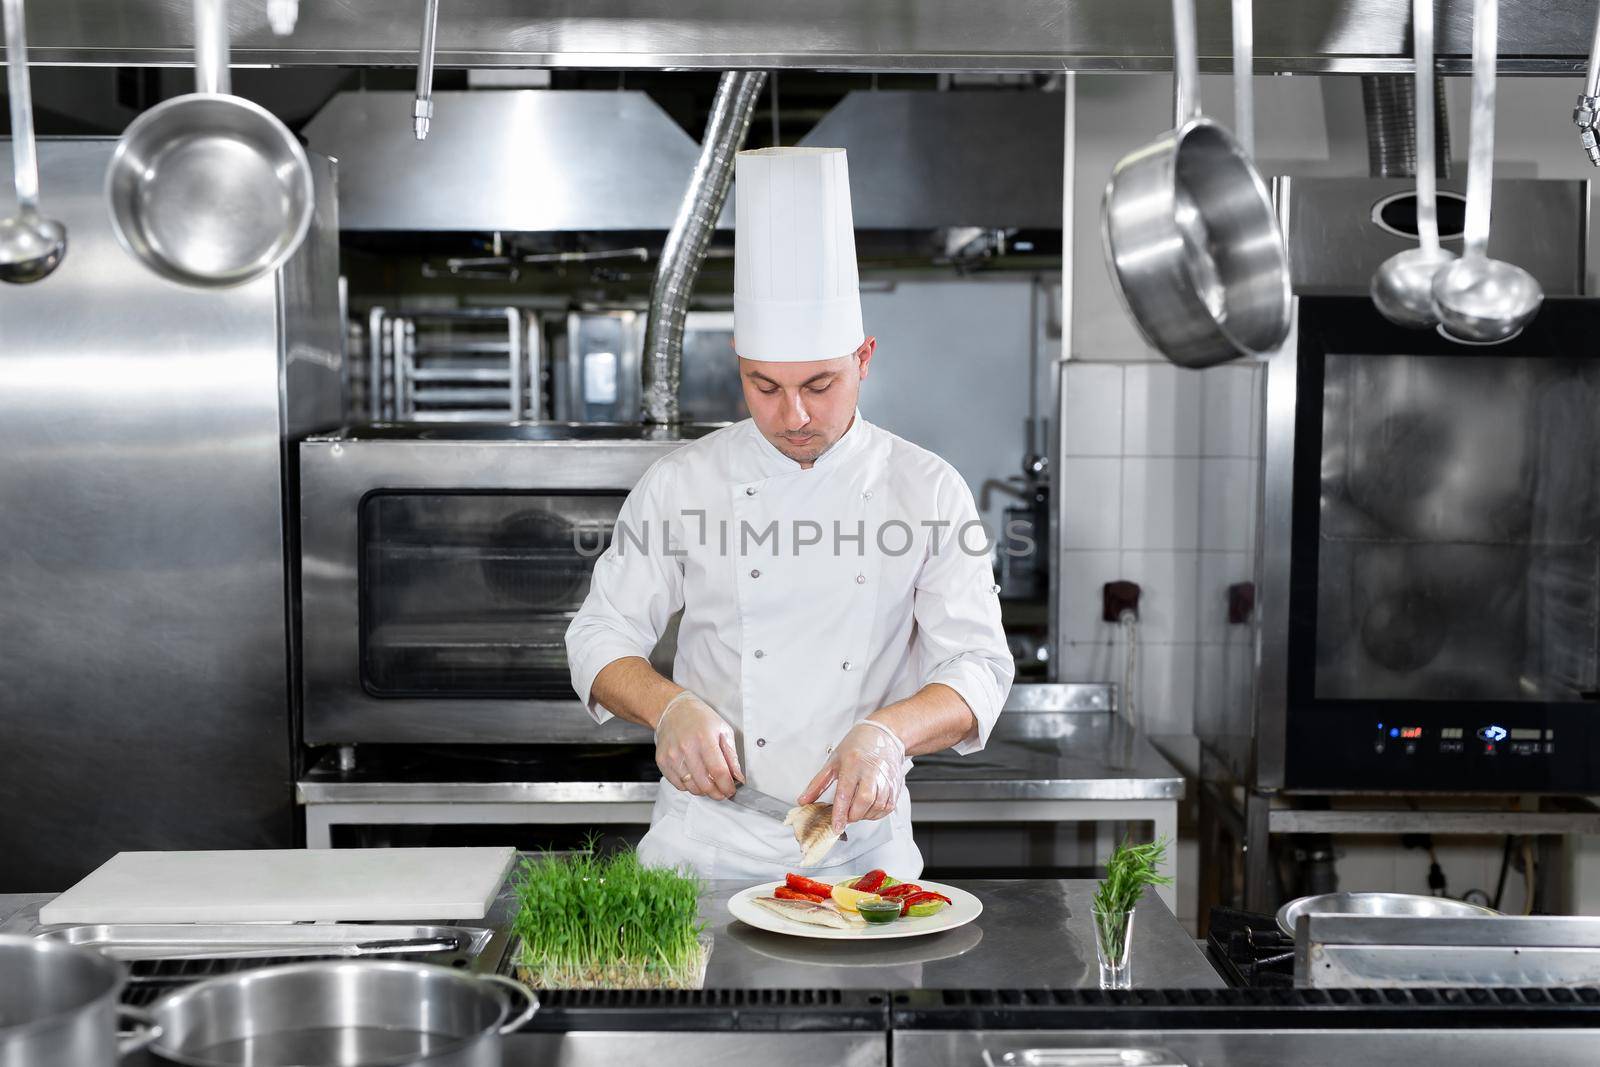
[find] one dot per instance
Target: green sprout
(586, 922)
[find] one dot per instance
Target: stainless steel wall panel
(143, 684)
(514, 160)
(1545, 36)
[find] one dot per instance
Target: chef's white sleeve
(960, 641)
(636, 588)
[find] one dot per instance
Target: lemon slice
(848, 898)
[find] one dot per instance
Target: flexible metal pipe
(1390, 101)
(685, 248)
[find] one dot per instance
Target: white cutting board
(286, 885)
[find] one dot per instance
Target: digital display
(1525, 735)
(1410, 733)
(1451, 733)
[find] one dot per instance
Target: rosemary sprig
(1129, 870)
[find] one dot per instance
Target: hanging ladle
(31, 246)
(1402, 288)
(1481, 300)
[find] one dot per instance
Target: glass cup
(1113, 945)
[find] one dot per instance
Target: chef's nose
(798, 415)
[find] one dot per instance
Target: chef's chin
(805, 451)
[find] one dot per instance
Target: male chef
(839, 609)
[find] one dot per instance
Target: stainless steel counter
(1059, 753)
(1032, 934)
(1081, 755)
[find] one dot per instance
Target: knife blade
(765, 804)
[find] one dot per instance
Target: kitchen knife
(763, 804)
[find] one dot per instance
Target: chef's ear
(864, 354)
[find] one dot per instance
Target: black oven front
(1444, 563)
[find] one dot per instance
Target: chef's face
(803, 408)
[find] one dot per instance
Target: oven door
(1444, 587)
(438, 576)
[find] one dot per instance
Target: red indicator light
(1411, 732)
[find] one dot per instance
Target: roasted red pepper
(801, 884)
(869, 882)
(897, 892)
(783, 892)
(920, 898)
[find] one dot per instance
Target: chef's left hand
(869, 765)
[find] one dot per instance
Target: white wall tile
(1091, 489)
(1227, 396)
(1227, 504)
(1218, 571)
(1162, 415)
(1093, 415)
(1083, 577)
(1167, 584)
(1091, 661)
(1225, 685)
(1160, 504)
(1165, 689)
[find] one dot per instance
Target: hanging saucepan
(209, 189)
(1191, 236)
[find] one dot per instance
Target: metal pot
(348, 1014)
(58, 1007)
(1393, 905)
(1191, 235)
(209, 189)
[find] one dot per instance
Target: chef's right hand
(695, 748)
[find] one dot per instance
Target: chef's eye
(823, 388)
(765, 391)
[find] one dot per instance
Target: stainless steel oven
(440, 566)
(1430, 538)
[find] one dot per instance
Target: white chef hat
(796, 293)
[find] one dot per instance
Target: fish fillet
(813, 829)
(804, 911)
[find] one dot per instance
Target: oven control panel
(1538, 750)
(1489, 740)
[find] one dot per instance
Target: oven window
(1457, 553)
(469, 594)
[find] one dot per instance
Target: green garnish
(1130, 869)
(879, 911)
(586, 922)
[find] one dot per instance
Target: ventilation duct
(1390, 101)
(685, 247)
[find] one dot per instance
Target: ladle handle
(24, 158)
(1427, 201)
(211, 47)
(422, 107)
(1185, 63)
(1591, 85)
(1244, 108)
(1480, 155)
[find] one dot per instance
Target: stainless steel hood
(538, 160)
(924, 160)
(1537, 36)
(512, 160)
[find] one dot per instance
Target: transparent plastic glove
(695, 748)
(870, 766)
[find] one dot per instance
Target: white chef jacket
(811, 598)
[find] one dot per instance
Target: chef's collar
(849, 442)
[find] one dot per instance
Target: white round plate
(964, 907)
